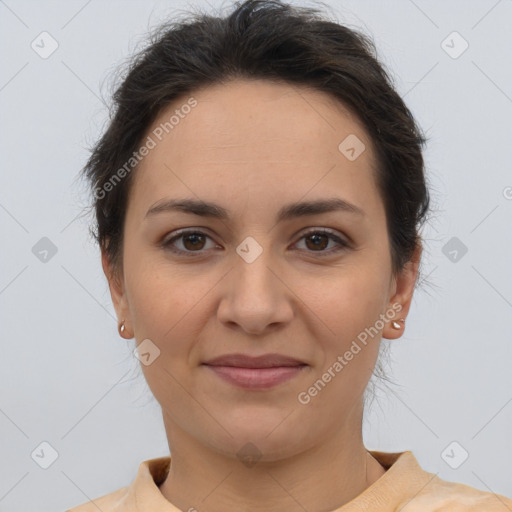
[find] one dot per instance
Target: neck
(324, 477)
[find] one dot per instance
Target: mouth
(260, 372)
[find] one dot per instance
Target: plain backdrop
(72, 396)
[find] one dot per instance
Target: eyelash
(167, 244)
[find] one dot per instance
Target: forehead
(256, 138)
(243, 111)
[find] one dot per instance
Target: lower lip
(256, 378)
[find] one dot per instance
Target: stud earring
(121, 328)
(396, 325)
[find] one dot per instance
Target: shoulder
(442, 495)
(111, 502)
(407, 486)
(141, 494)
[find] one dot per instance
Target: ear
(402, 292)
(118, 294)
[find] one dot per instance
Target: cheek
(348, 305)
(170, 307)
(160, 295)
(348, 337)
(165, 309)
(348, 300)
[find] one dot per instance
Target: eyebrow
(290, 211)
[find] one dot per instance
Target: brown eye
(194, 242)
(318, 240)
(191, 242)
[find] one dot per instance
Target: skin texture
(253, 146)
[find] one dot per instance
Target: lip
(245, 361)
(260, 372)
(256, 378)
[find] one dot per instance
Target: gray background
(68, 379)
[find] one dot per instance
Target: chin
(268, 438)
(250, 450)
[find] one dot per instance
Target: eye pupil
(317, 240)
(193, 236)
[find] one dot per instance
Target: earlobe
(122, 331)
(117, 294)
(396, 325)
(405, 282)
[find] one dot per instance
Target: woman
(258, 195)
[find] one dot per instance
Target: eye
(320, 238)
(194, 241)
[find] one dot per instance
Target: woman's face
(258, 281)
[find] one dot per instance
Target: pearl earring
(396, 325)
(121, 328)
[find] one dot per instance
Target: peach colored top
(403, 483)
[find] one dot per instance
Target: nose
(255, 296)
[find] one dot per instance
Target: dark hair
(262, 39)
